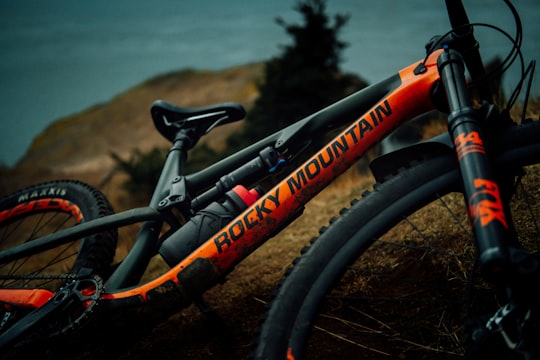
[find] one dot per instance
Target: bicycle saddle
(169, 118)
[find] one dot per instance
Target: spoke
(33, 227)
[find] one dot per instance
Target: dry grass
(240, 301)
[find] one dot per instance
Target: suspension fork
(486, 209)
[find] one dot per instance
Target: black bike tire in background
(289, 320)
(41, 205)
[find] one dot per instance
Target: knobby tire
(382, 282)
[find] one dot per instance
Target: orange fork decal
(485, 205)
(469, 143)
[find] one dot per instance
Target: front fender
(387, 164)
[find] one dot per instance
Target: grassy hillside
(80, 145)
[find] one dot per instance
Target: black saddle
(169, 118)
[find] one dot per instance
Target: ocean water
(59, 57)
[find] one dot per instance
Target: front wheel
(395, 276)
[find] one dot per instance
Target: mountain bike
(469, 288)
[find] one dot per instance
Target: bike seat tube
(481, 189)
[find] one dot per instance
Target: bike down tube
(208, 264)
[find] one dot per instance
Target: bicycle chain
(39, 277)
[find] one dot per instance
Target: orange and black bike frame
(371, 114)
(362, 120)
(365, 118)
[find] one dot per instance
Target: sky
(60, 57)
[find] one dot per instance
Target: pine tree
(305, 78)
